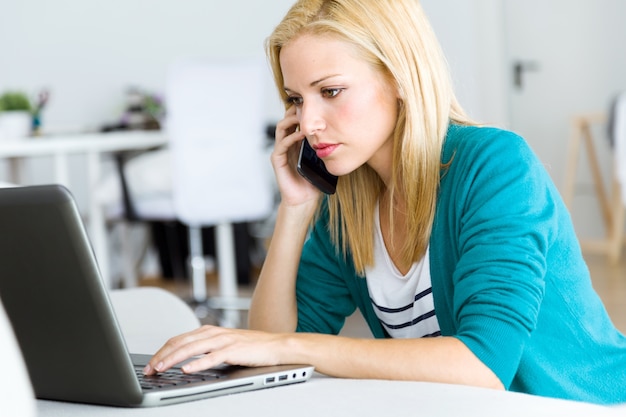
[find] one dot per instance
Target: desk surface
(100, 142)
(323, 396)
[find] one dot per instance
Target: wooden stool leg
(612, 208)
(572, 162)
(594, 165)
(616, 232)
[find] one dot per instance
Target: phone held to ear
(312, 168)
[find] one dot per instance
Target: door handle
(519, 67)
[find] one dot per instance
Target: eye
(331, 92)
(294, 100)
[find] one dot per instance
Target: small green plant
(15, 101)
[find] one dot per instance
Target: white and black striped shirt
(403, 303)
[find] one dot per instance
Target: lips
(324, 149)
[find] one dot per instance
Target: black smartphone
(312, 168)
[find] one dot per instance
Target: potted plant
(16, 117)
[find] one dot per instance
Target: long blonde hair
(394, 36)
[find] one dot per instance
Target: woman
(450, 238)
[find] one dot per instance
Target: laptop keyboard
(173, 377)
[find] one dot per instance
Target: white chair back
(149, 316)
(215, 123)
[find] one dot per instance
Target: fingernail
(159, 366)
(147, 369)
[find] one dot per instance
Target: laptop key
(172, 378)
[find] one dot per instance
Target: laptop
(66, 328)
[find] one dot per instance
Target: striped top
(402, 303)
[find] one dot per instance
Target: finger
(285, 142)
(205, 362)
(178, 349)
(217, 350)
(247, 348)
(287, 126)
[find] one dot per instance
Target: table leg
(96, 221)
(61, 170)
(15, 170)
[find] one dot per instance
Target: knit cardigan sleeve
(494, 224)
(324, 299)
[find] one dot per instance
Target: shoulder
(463, 141)
(485, 152)
(492, 168)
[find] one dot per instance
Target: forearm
(273, 306)
(442, 359)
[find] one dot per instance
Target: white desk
(360, 398)
(92, 145)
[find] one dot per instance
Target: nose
(311, 118)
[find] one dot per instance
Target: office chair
(149, 316)
(220, 172)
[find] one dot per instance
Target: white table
(323, 396)
(93, 145)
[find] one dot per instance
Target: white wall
(471, 35)
(89, 52)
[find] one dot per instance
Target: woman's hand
(294, 189)
(436, 359)
(218, 345)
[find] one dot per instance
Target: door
(565, 57)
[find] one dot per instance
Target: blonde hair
(394, 36)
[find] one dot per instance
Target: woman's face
(345, 108)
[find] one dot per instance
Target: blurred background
(532, 66)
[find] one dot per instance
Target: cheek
(358, 111)
(373, 115)
(349, 112)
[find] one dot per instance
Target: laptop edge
(64, 322)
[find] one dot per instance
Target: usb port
(282, 378)
(270, 379)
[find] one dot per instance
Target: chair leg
(130, 276)
(227, 302)
(243, 248)
(198, 265)
(227, 272)
(226, 262)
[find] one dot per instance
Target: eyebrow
(316, 82)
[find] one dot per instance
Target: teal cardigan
(508, 276)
